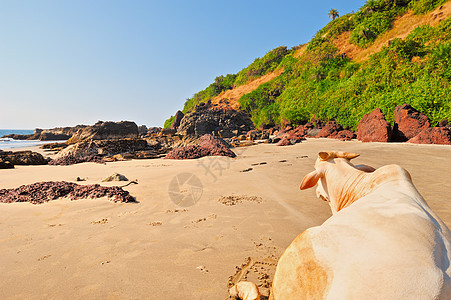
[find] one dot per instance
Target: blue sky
(64, 63)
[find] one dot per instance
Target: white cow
(382, 242)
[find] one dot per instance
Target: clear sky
(64, 63)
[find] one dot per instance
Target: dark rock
(18, 137)
(408, 122)
(444, 123)
(50, 136)
(208, 146)
(106, 131)
(6, 164)
(374, 128)
(142, 129)
(71, 160)
(40, 192)
(345, 135)
(433, 135)
(329, 130)
(178, 117)
(313, 132)
(222, 122)
(23, 158)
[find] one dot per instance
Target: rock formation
(106, 131)
(216, 121)
(408, 123)
(40, 192)
(208, 146)
(374, 128)
(23, 158)
(178, 117)
(330, 130)
(433, 135)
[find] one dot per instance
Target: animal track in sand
(44, 257)
(258, 164)
(156, 223)
(176, 211)
(258, 270)
(238, 199)
(210, 217)
(101, 221)
(246, 170)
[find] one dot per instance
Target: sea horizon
(9, 143)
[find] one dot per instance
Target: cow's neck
(352, 186)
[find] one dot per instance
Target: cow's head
(333, 171)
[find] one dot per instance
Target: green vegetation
(168, 122)
(333, 13)
(324, 84)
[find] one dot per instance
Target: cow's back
(384, 247)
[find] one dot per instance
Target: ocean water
(7, 143)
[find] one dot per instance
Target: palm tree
(333, 13)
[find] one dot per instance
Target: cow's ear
(310, 180)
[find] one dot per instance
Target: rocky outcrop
(216, 121)
(40, 192)
(374, 128)
(208, 146)
(54, 134)
(5, 164)
(345, 135)
(105, 150)
(408, 122)
(106, 131)
(23, 158)
(329, 130)
(433, 135)
(178, 117)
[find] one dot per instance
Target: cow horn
(326, 155)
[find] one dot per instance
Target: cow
(382, 241)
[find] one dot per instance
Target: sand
(242, 215)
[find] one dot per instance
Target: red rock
(408, 122)
(374, 128)
(178, 117)
(330, 130)
(433, 135)
(284, 142)
(345, 135)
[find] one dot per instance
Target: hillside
(388, 53)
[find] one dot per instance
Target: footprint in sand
(155, 223)
(238, 199)
(210, 217)
(101, 221)
(259, 270)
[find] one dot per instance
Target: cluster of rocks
(410, 126)
(106, 150)
(41, 192)
(208, 146)
(8, 159)
(207, 119)
(106, 131)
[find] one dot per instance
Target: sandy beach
(236, 220)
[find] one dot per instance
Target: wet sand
(235, 219)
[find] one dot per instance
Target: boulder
(216, 121)
(345, 135)
(6, 164)
(23, 158)
(374, 128)
(408, 123)
(106, 131)
(329, 130)
(433, 135)
(115, 177)
(208, 146)
(178, 117)
(284, 142)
